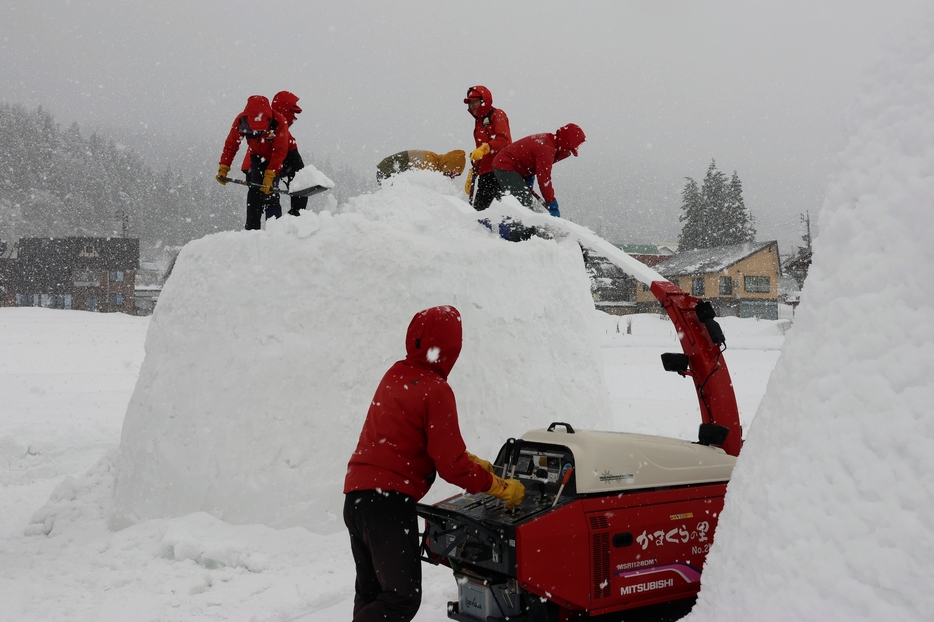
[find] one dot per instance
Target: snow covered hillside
(830, 513)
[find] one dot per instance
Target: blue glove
(530, 181)
(553, 209)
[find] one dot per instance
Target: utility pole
(806, 219)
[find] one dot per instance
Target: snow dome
(266, 347)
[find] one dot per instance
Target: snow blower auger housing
(611, 521)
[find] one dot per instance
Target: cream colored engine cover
(617, 461)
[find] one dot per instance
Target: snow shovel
(304, 192)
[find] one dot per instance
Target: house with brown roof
(613, 290)
(93, 274)
(738, 280)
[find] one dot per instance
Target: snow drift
(828, 516)
(266, 347)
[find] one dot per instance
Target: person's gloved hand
(486, 464)
(268, 176)
(222, 170)
(479, 152)
(530, 181)
(553, 209)
(509, 490)
(468, 183)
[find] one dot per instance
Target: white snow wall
(266, 347)
(830, 514)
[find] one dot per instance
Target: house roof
(710, 260)
(81, 251)
(644, 249)
(650, 260)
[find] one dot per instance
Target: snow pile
(830, 513)
(309, 177)
(266, 348)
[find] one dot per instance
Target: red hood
(434, 339)
(485, 95)
(257, 112)
(569, 138)
(286, 104)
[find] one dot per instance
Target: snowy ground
(66, 378)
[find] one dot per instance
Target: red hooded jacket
(491, 126)
(266, 133)
(286, 104)
(535, 155)
(411, 429)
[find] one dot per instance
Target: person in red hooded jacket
(411, 433)
(535, 155)
(491, 134)
(286, 104)
(267, 135)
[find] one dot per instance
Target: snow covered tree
(694, 217)
(714, 214)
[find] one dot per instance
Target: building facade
(91, 274)
(738, 280)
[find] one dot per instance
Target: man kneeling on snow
(411, 433)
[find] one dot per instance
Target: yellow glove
(268, 176)
(222, 170)
(509, 490)
(468, 185)
(479, 152)
(486, 464)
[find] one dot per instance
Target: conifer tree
(715, 214)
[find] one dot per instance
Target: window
(758, 284)
(28, 300)
(676, 282)
(56, 301)
(116, 277)
(697, 287)
(116, 300)
(87, 278)
(90, 303)
(726, 286)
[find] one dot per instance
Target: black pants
(383, 530)
(292, 164)
(486, 189)
(513, 183)
(256, 201)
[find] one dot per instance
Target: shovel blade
(309, 191)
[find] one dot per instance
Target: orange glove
(268, 176)
(509, 490)
(486, 464)
(479, 152)
(222, 170)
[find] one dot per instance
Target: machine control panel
(541, 468)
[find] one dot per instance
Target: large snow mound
(266, 347)
(830, 513)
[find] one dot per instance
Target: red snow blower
(611, 522)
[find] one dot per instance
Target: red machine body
(569, 557)
(632, 525)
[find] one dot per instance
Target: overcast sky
(659, 87)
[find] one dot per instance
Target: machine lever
(568, 470)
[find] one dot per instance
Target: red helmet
(286, 104)
(482, 93)
(569, 138)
